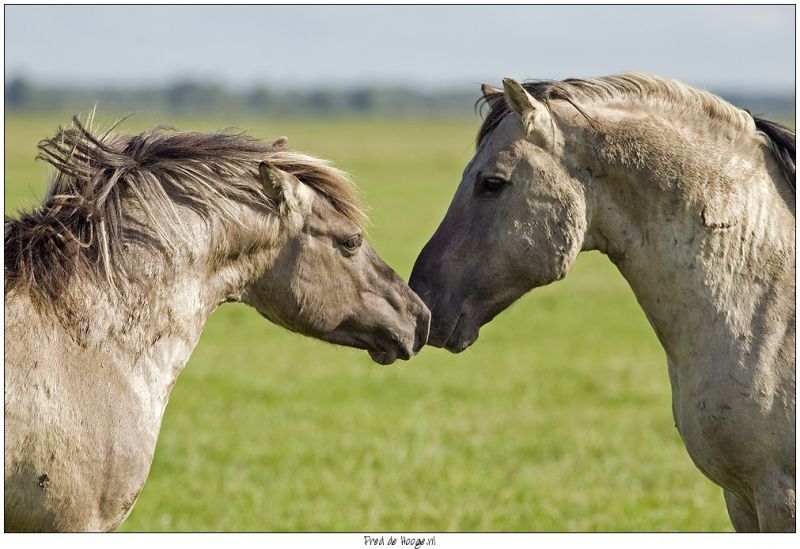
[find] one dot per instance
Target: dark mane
(782, 141)
(78, 229)
(663, 91)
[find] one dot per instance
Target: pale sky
(749, 48)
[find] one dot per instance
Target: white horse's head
(516, 222)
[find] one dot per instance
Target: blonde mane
(660, 93)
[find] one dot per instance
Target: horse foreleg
(743, 518)
(775, 503)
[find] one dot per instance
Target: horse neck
(151, 328)
(700, 225)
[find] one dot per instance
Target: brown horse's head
(326, 281)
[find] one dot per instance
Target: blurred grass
(557, 419)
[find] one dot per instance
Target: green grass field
(557, 419)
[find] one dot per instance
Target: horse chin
(465, 333)
(459, 345)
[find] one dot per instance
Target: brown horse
(110, 281)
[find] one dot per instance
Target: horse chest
(718, 420)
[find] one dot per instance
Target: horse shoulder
(68, 465)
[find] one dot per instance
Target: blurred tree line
(193, 97)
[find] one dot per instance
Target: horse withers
(693, 200)
(109, 282)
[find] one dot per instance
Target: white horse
(110, 281)
(693, 200)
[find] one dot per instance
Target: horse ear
(488, 90)
(271, 181)
(284, 188)
(534, 114)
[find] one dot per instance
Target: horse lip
(383, 348)
(404, 353)
(400, 349)
(348, 340)
(381, 356)
(388, 347)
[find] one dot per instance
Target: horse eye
(492, 184)
(353, 243)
